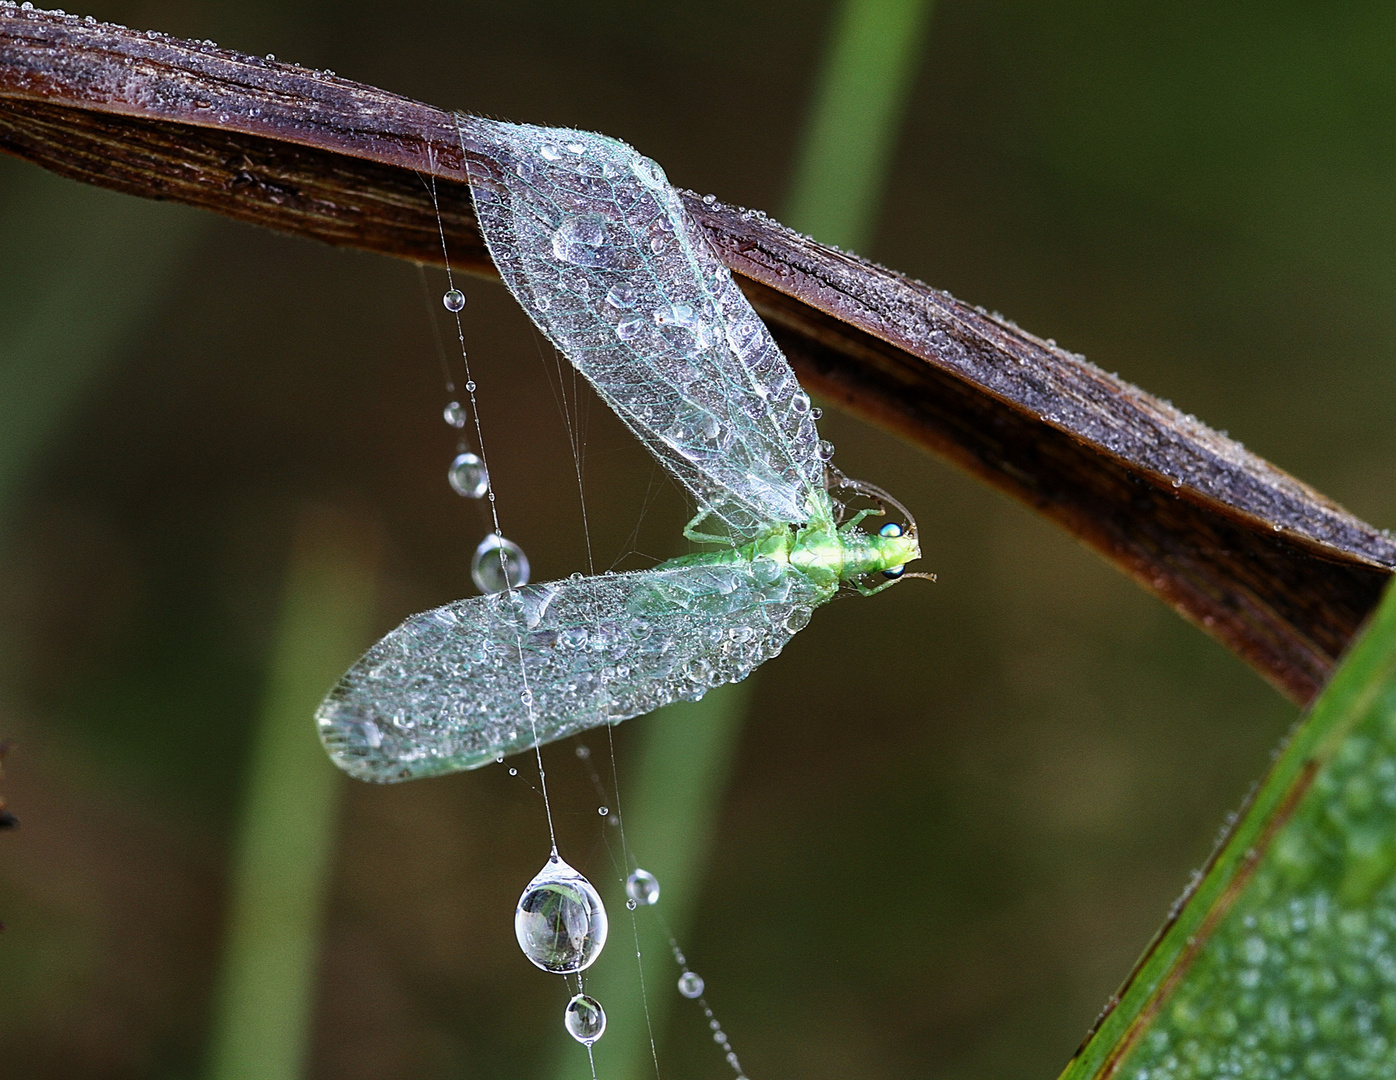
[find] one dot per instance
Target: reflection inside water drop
(498, 564)
(560, 921)
(642, 887)
(468, 477)
(585, 1019)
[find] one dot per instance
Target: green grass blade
(1282, 961)
(286, 836)
(860, 100)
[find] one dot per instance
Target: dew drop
(826, 450)
(498, 564)
(585, 1019)
(708, 200)
(580, 240)
(470, 386)
(621, 297)
(691, 984)
(603, 810)
(454, 300)
(560, 921)
(630, 903)
(549, 151)
(513, 771)
(675, 315)
(629, 329)
(583, 752)
(454, 415)
(642, 887)
(890, 529)
(468, 477)
(800, 402)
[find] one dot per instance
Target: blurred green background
(955, 814)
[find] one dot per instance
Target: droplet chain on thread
(642, 889)
(480, 442)
(691, 986)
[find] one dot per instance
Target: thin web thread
(719, 1036)
(571, 411)
(623, 866)
(436, 331)
(494, 509)
(634, 923)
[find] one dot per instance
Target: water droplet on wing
(498, 564)
(560, 921)
(585, 1019)
(642, 887)
(468, 477)
(621, 297)
(581, 240)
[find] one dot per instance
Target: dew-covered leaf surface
(1282, 960)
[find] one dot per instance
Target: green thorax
(826, 553)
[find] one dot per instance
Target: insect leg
(691, 533)
(853, 522)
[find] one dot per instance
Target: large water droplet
(581, 240)
(468, 477)
(642, 887)
(498, 564)
(454, 300)
(691, 984)
(585, 1019)
(454, 415)
(560, 921)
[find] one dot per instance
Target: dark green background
(959, 811)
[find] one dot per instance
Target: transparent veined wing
(595, 244)
(455, 687)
